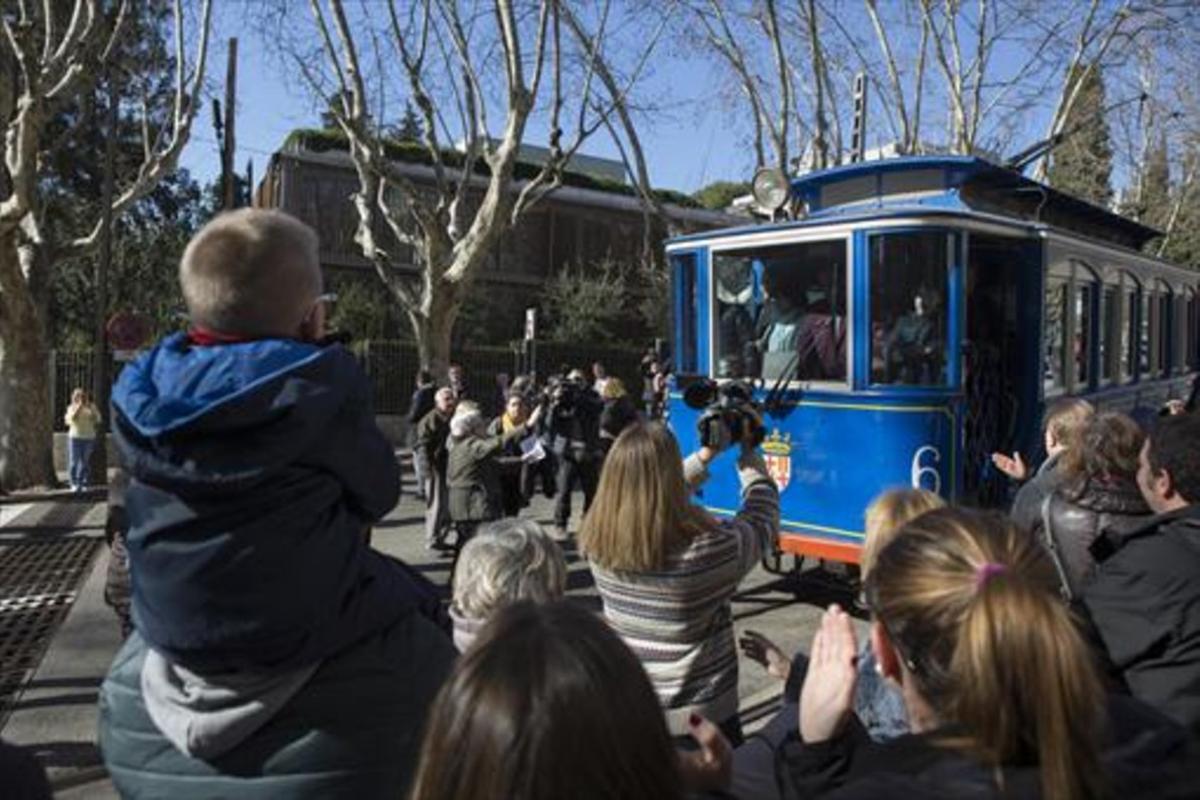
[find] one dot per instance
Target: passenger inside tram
(797, 329)
(912, 352)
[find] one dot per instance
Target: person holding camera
(575, 435)
(667, 570)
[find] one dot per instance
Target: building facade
(572, 227)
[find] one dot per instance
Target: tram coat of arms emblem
(777, 452)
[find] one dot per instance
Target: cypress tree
(1082, 163)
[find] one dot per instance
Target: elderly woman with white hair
(473, 467)
(508, 560)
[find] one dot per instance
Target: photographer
(667, 570)
(575, 435)
(618, 414)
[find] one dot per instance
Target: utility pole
(228, 178)
(101, 387)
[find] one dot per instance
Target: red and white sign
(780, 468)
(127, 331)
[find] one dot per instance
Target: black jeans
(586, 473)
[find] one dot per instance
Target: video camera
(730, 406)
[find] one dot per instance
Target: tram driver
(912, 352)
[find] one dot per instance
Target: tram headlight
(770, 188)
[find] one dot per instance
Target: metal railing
(392, 368)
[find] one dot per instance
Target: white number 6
(919, 472)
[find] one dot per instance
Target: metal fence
(392, 368)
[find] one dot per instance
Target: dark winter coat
(1027, 505)
(575, 430)
(353, 730)
(432, 432)
(1080, 512)
(473, 475)
(618, 414)
(422, 403)
(256, 469)
(1144, 755)
(1144, 601)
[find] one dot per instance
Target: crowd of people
(271, 652)
(553, 436)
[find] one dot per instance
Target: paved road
(56, 712)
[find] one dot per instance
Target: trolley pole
(228, 177)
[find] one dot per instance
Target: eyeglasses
(328, 298)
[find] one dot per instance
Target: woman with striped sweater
(666, 570)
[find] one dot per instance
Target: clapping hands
(828, 694)
(1013, 466)
(710, 768)
(759, 648)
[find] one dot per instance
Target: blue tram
(908, 318)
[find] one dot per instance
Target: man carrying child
(272, 647)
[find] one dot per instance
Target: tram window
(1179, 337)
(1129, 336)
(1163, 344)
(908, 308)
(795, 328)
(1109, 327)
(1081, 350)
(685, 332)
(1053, 368)
(1193, 331)
(1144, 354)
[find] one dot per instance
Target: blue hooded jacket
(256, 470)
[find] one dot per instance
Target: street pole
(101, 387)
(229, 179)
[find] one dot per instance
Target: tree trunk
(433, 334)
(26, 435)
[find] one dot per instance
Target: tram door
(999, 354)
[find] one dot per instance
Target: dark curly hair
(1175, 448)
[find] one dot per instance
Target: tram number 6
(922, 472)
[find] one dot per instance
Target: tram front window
(781, 312)
(908, 308)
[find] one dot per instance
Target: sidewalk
(56, 713)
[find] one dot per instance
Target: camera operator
(575, 435)
(667, 570)
(618, 414)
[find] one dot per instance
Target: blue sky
(687, 145)
(696, 135)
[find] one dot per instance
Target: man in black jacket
(420, 405)
(575, 428)
(1145, 597)
(432, 432)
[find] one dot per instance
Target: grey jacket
(352, 730)
(1027, 505)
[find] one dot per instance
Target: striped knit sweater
(678, 621)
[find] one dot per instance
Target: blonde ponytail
(997, 655)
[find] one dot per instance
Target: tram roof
(953, 184)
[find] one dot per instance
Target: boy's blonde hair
(251, 272)
(887, 514)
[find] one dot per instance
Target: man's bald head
(252, 272)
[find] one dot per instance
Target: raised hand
(709, 769)
(760, 649)
(828, 693)
(1013, 466)
(534, 417)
